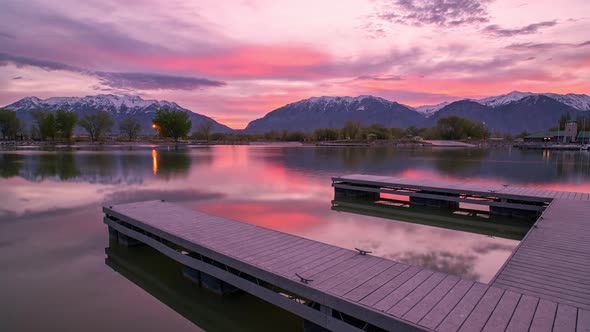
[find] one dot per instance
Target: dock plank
(553, 261)
(544, 285)
(416, 295)
(390, 286)
(372, 284)
(523, 315)
(501, 315)
(565, 319)
(462, 310)
(355, 270)
(544, 316)
(482, 311)
(339, 269)
(444, 307)
(416, 313)
(294, 264)
(583, 324)
(358, 280)
(403, 290)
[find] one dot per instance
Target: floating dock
(544, 285)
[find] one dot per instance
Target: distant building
(571, 132)
(569, 135)
(544, 136)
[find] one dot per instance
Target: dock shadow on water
(162, 278)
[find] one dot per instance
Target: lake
(59, 271)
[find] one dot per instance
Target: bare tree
(130, 128)
(96, 124)
(204, 129)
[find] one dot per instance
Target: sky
(238, 60)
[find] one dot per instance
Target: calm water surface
(57, 276)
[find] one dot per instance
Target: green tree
(96, 124)
(412, 131)
(296, 136)
(272, 135)
(173, 124)
(326, 134)
(378, 130)
(455, 127)
(351, 130)
(396, 132)
(38, 118)
(130, 128)
(9, 124)
(65, 123)
(48, 128)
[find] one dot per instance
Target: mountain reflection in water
(53, 239)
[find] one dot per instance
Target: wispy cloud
(379, 78)
(544, 46)
(146, 81)
(498, 31)
(21, 61)
(118, 80)
(442, 13)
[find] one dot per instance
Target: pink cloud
(251, 61)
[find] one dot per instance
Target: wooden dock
(544, 286)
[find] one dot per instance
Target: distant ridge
(509, 113)
(119, 106)
(513, 112)
(333, 112)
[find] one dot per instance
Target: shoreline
(438, 144)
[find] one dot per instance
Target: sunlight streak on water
(155, 161)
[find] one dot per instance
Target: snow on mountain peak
(107, 102)
(429, 110)
(578, 101)
(503, 99)
(345, 99)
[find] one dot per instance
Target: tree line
(451, 128)
(59, 125)
(177, 124)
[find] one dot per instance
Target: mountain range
(120, 107)
(510, 113)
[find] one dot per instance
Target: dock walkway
(341, 290)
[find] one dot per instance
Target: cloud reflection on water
(283, 188)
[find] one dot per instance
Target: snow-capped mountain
(429, 110)
(581, 102)
(500, 100)
(510, 113)
(325, 102)
(120, 107)
(112, 103)
(333, 112)
(578, 101)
